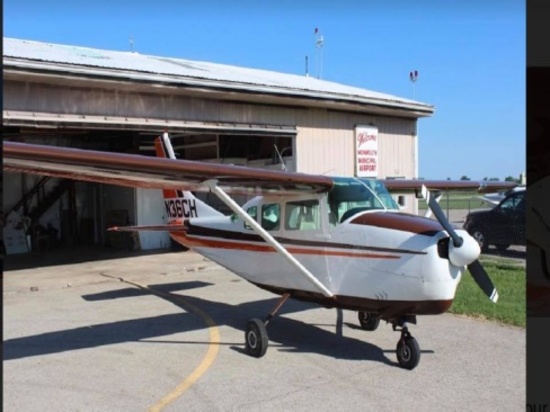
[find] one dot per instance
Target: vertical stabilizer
(180, 204)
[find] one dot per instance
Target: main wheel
(368, 320)
(408, 352)
(481, 238)
(256, 338)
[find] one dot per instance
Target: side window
(302, 215)
(510, 203)
(253, 212)
(271, 216)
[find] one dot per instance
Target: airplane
(340, 242)
(494, 199)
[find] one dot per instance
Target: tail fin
(180, 204)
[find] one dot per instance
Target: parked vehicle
(502, 226)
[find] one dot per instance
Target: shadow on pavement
(77, 254)
(287, 334)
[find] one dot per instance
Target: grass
(458, 200)
(509, 280)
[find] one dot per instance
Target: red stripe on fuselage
(193, 241)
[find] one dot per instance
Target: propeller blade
(482, 279)
(440, 216)
(429, 211)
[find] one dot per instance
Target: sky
(470, 57)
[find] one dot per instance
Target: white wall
(151, 211)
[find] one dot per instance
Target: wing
(412, 186)
(491, 199)
(153, 172)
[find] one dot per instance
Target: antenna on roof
(307, 69)
(414, 77)
(319, 42)
(132, 44)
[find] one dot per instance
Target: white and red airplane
(340, 242)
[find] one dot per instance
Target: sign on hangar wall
(366, 151)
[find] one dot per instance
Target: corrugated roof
(46, 56)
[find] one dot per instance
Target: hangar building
(120, 101)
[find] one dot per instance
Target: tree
(511, 179)
(464, 178)
(493, 179)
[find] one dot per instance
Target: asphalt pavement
(164, 331)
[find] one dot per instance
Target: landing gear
(255, 336)
(368, 321)
(407, 350)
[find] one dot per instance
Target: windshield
(351, 195)
(381, 192)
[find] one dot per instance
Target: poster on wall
(366, 151)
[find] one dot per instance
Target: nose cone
(466, 253)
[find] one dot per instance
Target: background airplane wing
(411, 186)
(153, 172)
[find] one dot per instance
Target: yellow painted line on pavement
(209, 357)
(207, 361)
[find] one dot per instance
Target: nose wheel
(407, 350)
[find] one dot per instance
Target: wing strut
(213, 186)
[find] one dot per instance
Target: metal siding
(324, 145)
(37, 56)
(40, 97)
(396, 147)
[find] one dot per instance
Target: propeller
(463, 251)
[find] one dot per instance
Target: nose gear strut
(407, 350)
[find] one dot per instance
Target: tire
(255, 338)
(502, 248)
(408, 352)
(368, 320)
(481, 237)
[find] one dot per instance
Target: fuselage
(361, 247)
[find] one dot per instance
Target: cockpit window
(350, 196)
(302, 215)
(271, 216)
(253, 212)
